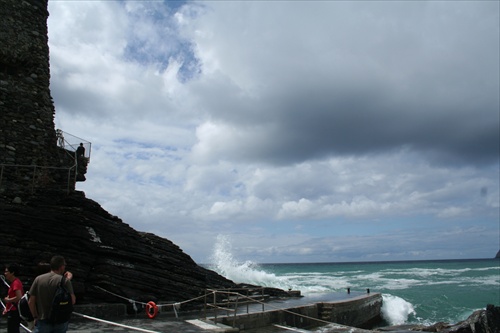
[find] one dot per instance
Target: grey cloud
(317, 124)
(390, 90)
(420, 76)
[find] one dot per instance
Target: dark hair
(42, 268)
(57, 262)
(13, 268)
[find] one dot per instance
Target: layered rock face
(40, 212)
(101, 251)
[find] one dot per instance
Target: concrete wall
(302, 316)
(101, 311)
(361, 312)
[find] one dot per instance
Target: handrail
(34, 175)
(71, 142)
(213, 292)
(233, 297)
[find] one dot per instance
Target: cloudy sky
(301, 131)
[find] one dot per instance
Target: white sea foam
(223, 262)
(396, 310)
(247, 272)
(434, 291)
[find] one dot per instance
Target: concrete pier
(362, 310)
(347, 311)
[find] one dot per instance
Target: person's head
(81, 144)
(42, 268)
(57, 264)
(11, 271)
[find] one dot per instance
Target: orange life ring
(151, 310)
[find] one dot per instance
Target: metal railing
(70, 143)
(78, 152)
(38, 175)
(230, 300)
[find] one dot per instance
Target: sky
(296, 131)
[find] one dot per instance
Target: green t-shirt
(44, 288)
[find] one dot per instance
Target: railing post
(262, 293)
(205, 305)
(1, 176)
(236, 308)
(247, 301)
(69, 180)
(215, 307)
(34, 176)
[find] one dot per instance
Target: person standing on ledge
(80, 151)
(42, 293)
(13, 296)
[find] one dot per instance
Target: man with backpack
(52, 298)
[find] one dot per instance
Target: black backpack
(24, 308)
(62, 304)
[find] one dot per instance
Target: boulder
(481, 321)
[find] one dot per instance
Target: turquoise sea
(423, 292)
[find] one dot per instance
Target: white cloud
(331, 131)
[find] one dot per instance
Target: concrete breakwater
(481, 321)
(362, 311)
(349, 310)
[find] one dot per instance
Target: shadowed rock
(101, 250)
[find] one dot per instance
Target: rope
(88, 317)
(127, 299)
(5, 282)
(175, 306)
(291, 328)
(284, 310)
(113, 323)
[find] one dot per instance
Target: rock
(481, 321)
(436, 327)
(111, 261)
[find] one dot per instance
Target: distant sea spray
(307, 278)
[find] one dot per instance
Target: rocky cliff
(101, 250)
(41, 214)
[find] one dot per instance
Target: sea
(414, 292)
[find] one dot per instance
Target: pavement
(164, 323)
(142, 324)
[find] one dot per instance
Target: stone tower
(30, 160)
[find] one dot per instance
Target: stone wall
(27, 131)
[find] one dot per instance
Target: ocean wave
(396, 310)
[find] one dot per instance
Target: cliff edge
(41, 214)
(105, 254)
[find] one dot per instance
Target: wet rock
(481, 321)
